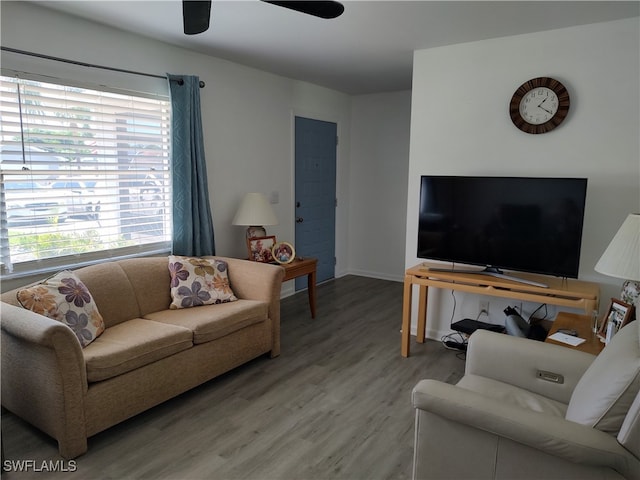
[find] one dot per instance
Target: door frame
(340, 195)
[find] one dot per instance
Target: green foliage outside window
(57, 244)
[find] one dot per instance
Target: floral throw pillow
(198, 281)
(66, 299)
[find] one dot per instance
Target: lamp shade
(621, 259)
(255, 210)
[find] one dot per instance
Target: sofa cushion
(198, 281)
(604, 394)
(65, 298)
(149, 278)
(112, 292)
(214, 321)
(133, 344)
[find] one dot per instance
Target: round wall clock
(539, 105)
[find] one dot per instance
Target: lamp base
(631, 294)
(254, 232)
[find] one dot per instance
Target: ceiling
(368, 49)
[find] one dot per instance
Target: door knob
(299, 219)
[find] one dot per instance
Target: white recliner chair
(533, 410)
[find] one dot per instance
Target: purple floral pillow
(66, 299)
(198, 281)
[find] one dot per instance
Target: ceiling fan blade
(322, 9)
(195, 16)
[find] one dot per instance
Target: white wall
(380, 126)
(247, 114)
(461, 126)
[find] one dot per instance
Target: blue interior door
(315, 192)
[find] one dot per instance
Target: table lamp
(621, 259)
(255, 212)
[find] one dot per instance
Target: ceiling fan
(196, 13)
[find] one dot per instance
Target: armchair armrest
(44, 377)
(517, 361)
(553, 435)
(258, 281)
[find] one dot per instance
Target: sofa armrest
(44, 377)
(550, 434)
(517, 361)
(258, 281)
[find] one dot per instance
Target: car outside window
(84, 175)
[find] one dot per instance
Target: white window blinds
(84, 175)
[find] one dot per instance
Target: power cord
(453, 311)
(456, 340)
(533, 319)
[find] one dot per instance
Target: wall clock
(539, 105)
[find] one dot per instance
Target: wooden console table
(304, 266)
(562, 292)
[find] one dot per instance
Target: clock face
(539, 106)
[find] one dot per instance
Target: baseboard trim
(430, 333)
(289, 290)
(377, 275)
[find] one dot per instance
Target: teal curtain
(192, 220)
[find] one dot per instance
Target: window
(84, 175)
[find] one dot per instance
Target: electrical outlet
(483, 306)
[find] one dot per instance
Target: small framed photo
(617, 316)
(260, 248)
(283, 252)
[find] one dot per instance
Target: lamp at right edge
(621, 259)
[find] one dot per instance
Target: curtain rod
(91, 65)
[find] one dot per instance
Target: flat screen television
(526, 224)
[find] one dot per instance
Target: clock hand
(541, 107)
(545, 99)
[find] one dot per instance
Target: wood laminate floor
(336, 404)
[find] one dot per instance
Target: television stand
(494, 272)
(569, 293)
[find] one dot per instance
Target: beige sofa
(146, 355)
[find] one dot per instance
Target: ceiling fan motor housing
(196, 13)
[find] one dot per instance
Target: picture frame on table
(618, 315)
(260, 248)
(283, 253)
